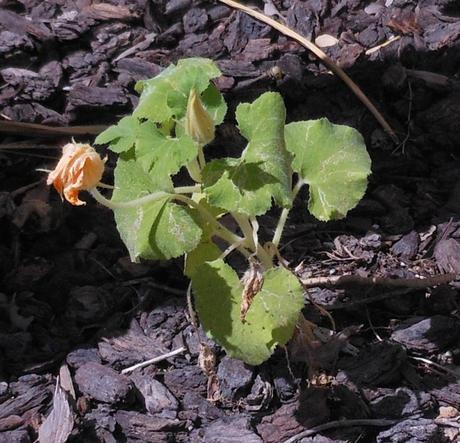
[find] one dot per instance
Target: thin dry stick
(322, 56)
(341, 424)
(366, 301)
(435, 365)
(342, 280)
(39, 130)
(191, 309)
(154, 360)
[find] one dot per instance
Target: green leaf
(263, 173)
(156, 230)
(270, 320)
(166, 95)
(128, 132)
(333, 160)
(207, 250)
(165, 154)
(158, 153)
(215, 104)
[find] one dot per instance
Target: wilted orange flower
(80, 168)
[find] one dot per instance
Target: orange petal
(71, 195)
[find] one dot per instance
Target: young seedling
(171, 129)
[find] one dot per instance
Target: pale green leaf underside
(270, 320)
(263, 173)
(333, 160)
(166, 95)
(158, 230)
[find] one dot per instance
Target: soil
(74, 312)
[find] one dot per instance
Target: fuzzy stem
(246, 228)
(129, 204)
(284, 214)
(187, 189)
(220, 230)
(264, 257)
(250, 235)
(194, 170)
(201, 159)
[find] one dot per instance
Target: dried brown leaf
(253, 280)
(59, 424)
(107, 11)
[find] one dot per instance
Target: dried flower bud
(198, 123)
(253, 280)
(80, 168)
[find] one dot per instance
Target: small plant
(169, 130)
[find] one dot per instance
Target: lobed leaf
(166, 95)
(263, 173)
(157, 230)
(164, 154)
(270, 320)
(158, 153)
(128, 132)
(333, 160)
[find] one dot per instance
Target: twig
(322, 56)
(445, 422)
(191, 310)
(368, 300)
(25, 188)
(341, 424)
(344, 280)
(435, 365)
(402, 145)
(141, 46)
(382, 45)
(154, 360)
(39, 130)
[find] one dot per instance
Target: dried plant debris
(59, 424)
(253, 280)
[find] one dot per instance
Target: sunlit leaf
(270, 320)
(166, 95)
(156, 230)
(334, 162)
(263, 173)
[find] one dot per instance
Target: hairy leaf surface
(270, 320)
(157, 230)
(334, 162)
(166, 95)
(263, 173)
(128, 132)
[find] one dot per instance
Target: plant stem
(201, 159)
(246, 229)
(264, 257)
(194, 170)
(284, 214)
(187, 189)
(251, 237)
(220, 230)
(150, 198)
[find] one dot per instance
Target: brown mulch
(71, 303)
